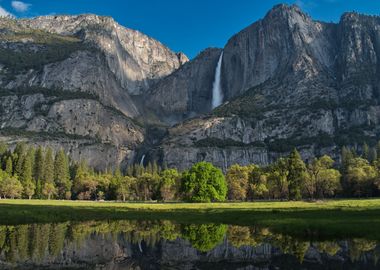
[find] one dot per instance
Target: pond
(132, 244)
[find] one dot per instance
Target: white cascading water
(217, 95)
(142, 160)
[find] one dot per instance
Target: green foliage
(204, 183)
(258, 183)
(324, 181)
(48, 175)
(169, 184)
(39, 170)
(124, 188)
(297, 175)
(10, 186)
(62, 175)
(204, 237)
(49, 190)
(9, 166)
(237, 180)
(360, 177)
(45, 174)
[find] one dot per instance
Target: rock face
(134, 58)
(287, 81)
(106, 251)
(186, 92)
(68, 81)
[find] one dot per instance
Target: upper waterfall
(217, 94)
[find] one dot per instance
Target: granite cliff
(89, 85)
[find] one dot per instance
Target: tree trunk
(123, 198)
(30, 197)
(49, 196)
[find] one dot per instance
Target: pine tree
(27, 170)
(115, 183)
(365, 151)
(9, 166)
(48, 166)
(347, 156)
(39, 170)
(297, 175)
(18, 157)
(62, 175)
(130, 170)
(372, 154)
(155, 168)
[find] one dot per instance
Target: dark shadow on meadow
(301, 222)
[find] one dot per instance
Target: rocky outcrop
(134, 58)
(289, 82)
(83, 127)
(185, 93)
(67, 81)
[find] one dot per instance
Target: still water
(166, 245)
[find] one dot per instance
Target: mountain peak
(290, 13)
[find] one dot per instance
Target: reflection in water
(167, 245)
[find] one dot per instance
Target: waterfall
(217, 95)
(142, 160)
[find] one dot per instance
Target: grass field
(335, 218)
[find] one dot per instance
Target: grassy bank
(335, 218)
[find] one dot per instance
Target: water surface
(136, 245)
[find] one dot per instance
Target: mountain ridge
(288, 81)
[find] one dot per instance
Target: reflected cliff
(168, 245)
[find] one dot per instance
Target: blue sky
(186, 25)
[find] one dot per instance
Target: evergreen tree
(26, 174)
(130, 170)
(365, 151)
(9, 166)
(39, 170)
(347, 156)
(297, 175)
(62, 175)
(48, 169)
(114, 184)
(155, 168)
(47, 184)
(372, 154)
(18, 157)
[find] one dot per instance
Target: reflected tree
(204, 237)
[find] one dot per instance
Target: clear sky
(186, 25)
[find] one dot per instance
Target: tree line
(41, 173)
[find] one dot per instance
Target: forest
(40, 173)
